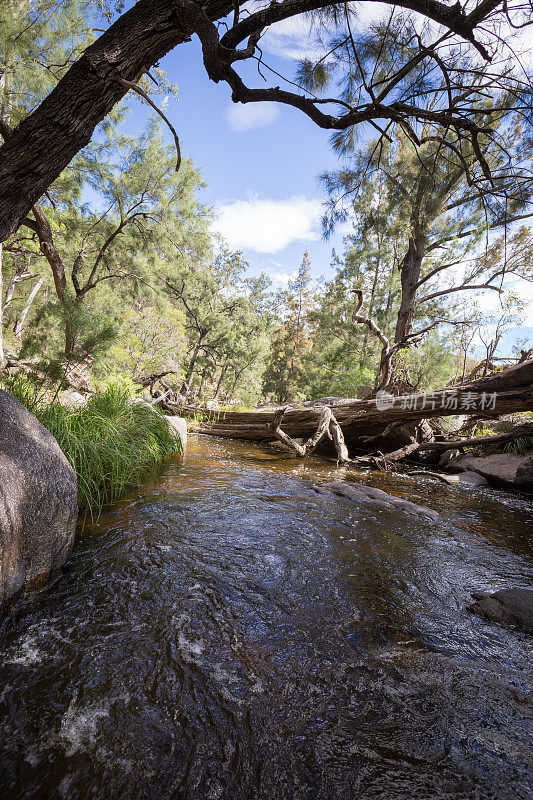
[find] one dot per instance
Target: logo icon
(384, 400)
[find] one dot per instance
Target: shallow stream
(226, 632)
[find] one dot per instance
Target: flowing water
(228, 633)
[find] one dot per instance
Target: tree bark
(410, 275)
(192, 364)
(2, 354)
(220, 379)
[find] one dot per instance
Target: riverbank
(112, 444)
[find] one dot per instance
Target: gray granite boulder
(502, 470)
(178, 427)
(38, 502)
(376, 497)
(472, 479)
(506, 606)
(524, 475)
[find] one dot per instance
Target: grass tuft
(112, 444)
(519, 445)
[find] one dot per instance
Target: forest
(118, 268)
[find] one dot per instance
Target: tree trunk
(185, 387)
(410, 275)
(2, 354)
(18, 277)
(220, 379)
(27, 306)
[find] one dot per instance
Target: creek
(226, 632)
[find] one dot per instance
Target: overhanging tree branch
(47, 140)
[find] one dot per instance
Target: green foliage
(112, 443)
(150, 341)
(341, 379)
(520, 445)
(227, 319)
(118, 383)
(284, 374)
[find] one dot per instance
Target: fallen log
(505, 392)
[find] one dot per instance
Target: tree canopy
(440, 59)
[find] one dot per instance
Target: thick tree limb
(302, 449)
(327, 427)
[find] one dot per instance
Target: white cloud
(282, 277)
(291, 38)
(245, 116)
(370, 13)
(295, 37)
(268, 226)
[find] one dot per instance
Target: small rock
(472, 479)
(506, 606)
(367, 494)
(72, 400)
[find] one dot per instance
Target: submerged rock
(472, 479)
(506, 606)
(367, 494)
(38, 501)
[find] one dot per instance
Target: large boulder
(503, 470)
(38, 502)
(507, 606)
(524, 475)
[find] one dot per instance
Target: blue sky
(261, 161)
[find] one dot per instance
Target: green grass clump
(112, 444)
(519, 445)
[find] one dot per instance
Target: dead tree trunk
(27, 305)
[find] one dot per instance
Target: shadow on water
(227, 633)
